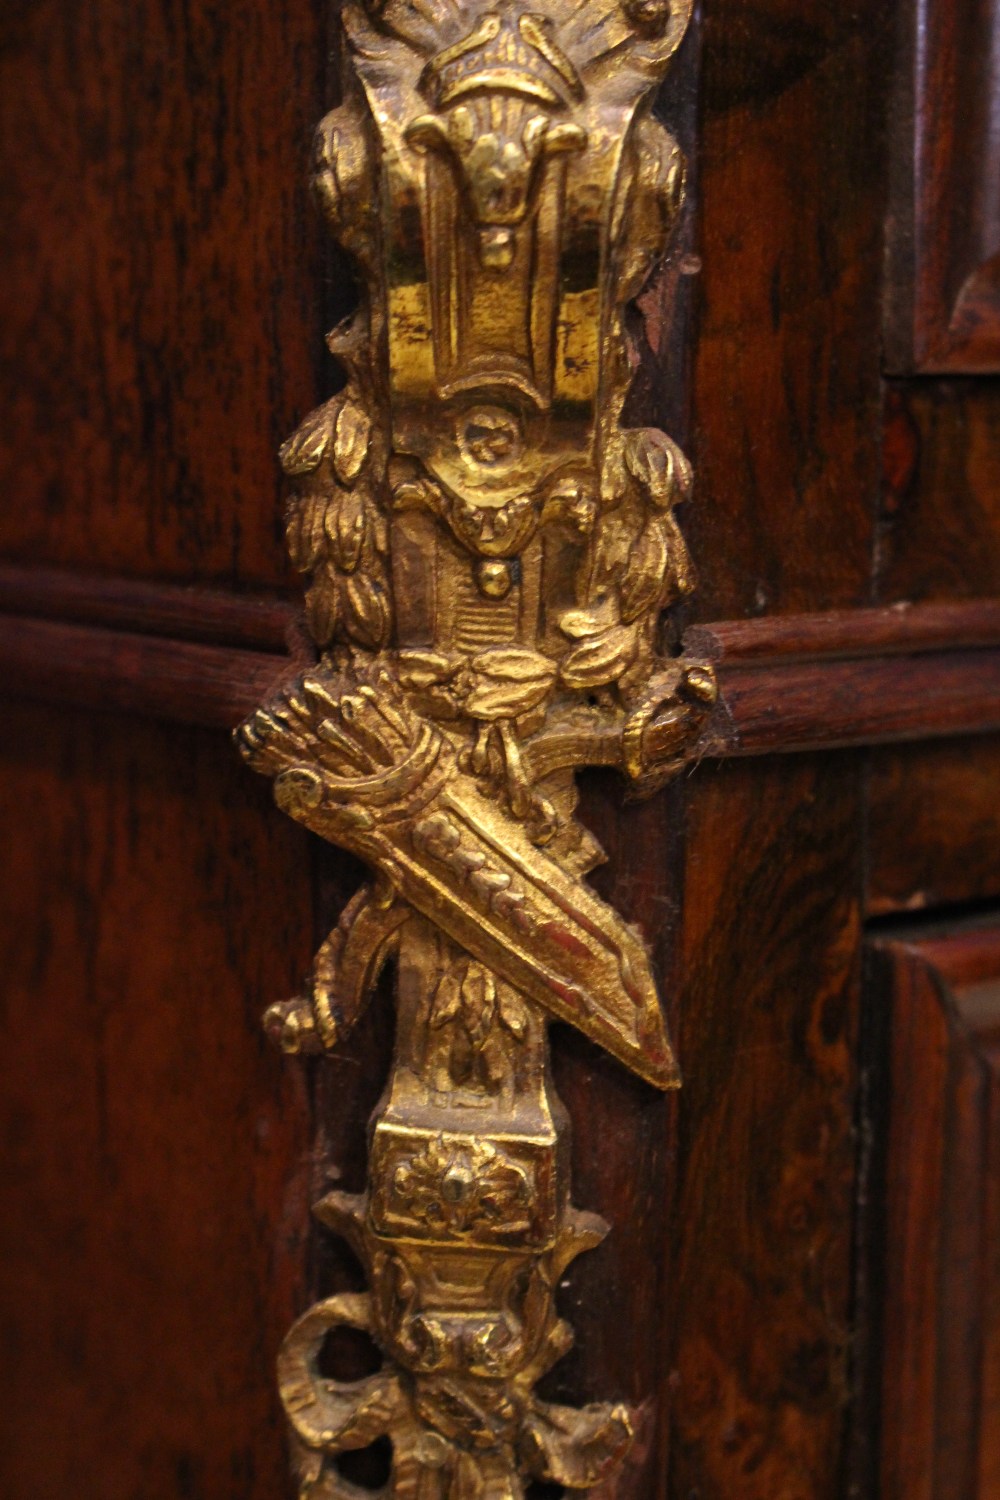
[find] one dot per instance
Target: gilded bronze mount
(490, 554)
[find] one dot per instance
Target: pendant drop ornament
(488, 555)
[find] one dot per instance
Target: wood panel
(943, 302)
(156, 1150)
(616, 1296)
(786, 374)
(161, 287)
(939, 535)
(940, 1435)
(168, 340)
(842, 634)
(933, 833)
(786, 411)
(761, 1225)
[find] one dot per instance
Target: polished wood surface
(933, 825)
(257, 621)
(943, 224)
(791, 199)
(157, 1167)
(768, 998)
(940, 1395)
(183, 681)
(861, 702)
(160, 304)
(897, 630)
(940, 513)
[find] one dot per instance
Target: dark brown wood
(157, 1172)
(161, 281)
(786, 372)
(761, 1223)
(861, 702)
(212, 686)
(933, 825)
(940, 523)
(257, 620)
(899, 629)
(618, 1296)
(180, 612)
(160, 295)
(943, 308)
(940, 1431)
(786, 403)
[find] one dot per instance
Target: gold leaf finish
(489, 554)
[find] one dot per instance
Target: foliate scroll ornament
(490, 556)
(467, 1188)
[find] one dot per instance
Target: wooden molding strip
(853, 677)
(775, 707)
(800, 682)
(140, 607)
(770, 708)
(183, 681)
(890, 631)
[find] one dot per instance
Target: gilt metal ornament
(489, 555)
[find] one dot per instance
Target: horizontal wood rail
(865, 701)
(94, 667)
(891, 631)
(177, 611)
(206, 657)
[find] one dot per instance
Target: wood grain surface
(786, 372)
(136, 606)
(162, 289)
(786, 409)
(768, 1002)
(940, 1428)
(784, 708)
(617, 1297)
(182, 681)
(899, 629)
(943, 222)
(155, 1191)
(939, 533)
(795, 683)
(933, 825)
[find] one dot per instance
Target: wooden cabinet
(165, 293)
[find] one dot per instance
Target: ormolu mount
(489, 553)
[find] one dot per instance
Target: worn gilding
(489, 554)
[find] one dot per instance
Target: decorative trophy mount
(489, 554)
